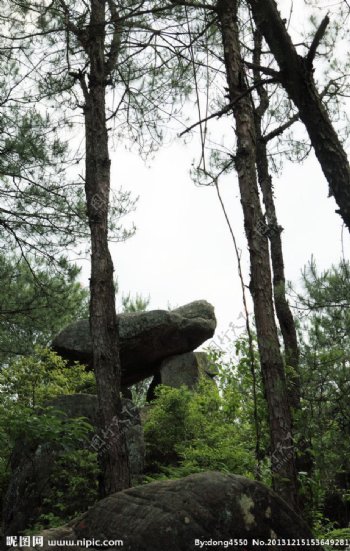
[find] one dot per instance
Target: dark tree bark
(283, 462)
(103, 320)
(304, 460)
(273, 232)
(296, 76)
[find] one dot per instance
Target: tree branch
(278, 131)
(297, 79)
(194, 5)
(70, 26)
(262, 69)
(114, 49)
(227, 108)
(317, 39)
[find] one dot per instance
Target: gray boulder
(182, 369)
(32, 465)
(176, 514)
(146, 338)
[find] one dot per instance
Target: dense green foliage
(29, 381)
(220, 428)
(212, 427)
(73, 487)
(26, 387)
(196, 431)
(324, 312)
(36, 302)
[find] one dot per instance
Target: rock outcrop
(182, 369)
(176, 515)
(146, 338)
(32, 465)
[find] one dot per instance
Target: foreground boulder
(33, 465)
(175, 515)
(146, 338)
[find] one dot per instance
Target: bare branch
(227, 108)
(114, 49)
(217, 114)
(80, 34)
(262, 69)
(317, 39)
(31, 35)
(278, 131)
(194, 5)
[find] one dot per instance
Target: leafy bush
(73, 488)
(30, 381)
(190, 431)
(26, 386)
(336, 539)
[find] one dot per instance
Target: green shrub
(191, 431)
(73, 488)
(25, 387)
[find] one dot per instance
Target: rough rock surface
(171, 515)
(182, 369)
(32, 465)
(146, 338)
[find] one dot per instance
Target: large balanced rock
(32, 465)
(182, 369)
(184, 515)
(146, 338)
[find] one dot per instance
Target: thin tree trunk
(103, 320)
(273, 232)
(283, 311)
(283, 463)
(296, 76)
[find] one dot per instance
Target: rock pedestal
(183, 369)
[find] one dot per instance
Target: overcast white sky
(182, 250)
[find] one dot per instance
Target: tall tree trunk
(283, 462)
(304, 460)
(283, 311)
(296, 76)
(273, 232)
(103, 320)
